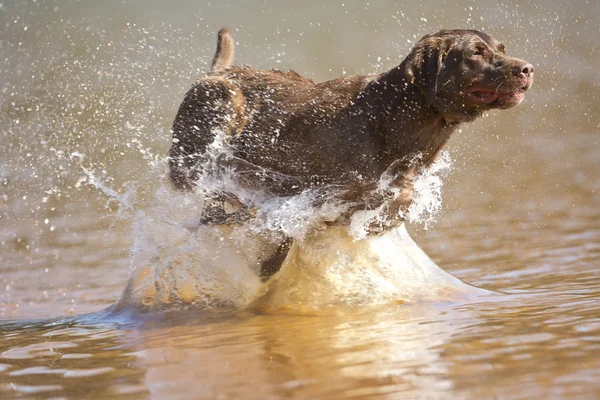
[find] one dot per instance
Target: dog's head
(464, 72)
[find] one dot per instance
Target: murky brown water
(87, 96)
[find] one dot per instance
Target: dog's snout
(523, 69)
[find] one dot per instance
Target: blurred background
(88, 92)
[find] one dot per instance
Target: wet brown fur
(287, 133)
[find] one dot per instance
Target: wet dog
(285, 134)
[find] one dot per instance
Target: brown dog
(286, 133)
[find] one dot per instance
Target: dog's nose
(523, 69)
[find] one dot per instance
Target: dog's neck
(406, 123)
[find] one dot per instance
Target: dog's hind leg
(271, 265)
(214, 108)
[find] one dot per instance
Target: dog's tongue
(484, 96)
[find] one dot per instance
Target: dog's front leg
(394, 209)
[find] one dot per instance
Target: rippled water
(87, 96)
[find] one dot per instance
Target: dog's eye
(478, 52)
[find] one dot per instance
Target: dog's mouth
(496, 98)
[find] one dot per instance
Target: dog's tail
(224, 54)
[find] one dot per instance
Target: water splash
(332, 270)
(426, 204)
(295, 216)
(179, 263)
(124, 200)
(427, 201)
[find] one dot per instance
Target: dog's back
(275, 111)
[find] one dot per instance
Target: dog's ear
(425, 63)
